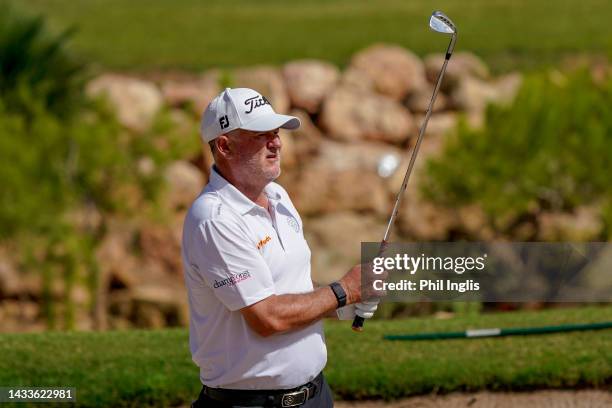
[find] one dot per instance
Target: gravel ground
(536, 399)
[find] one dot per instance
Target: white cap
(242, 108)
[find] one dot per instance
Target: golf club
(441, 23)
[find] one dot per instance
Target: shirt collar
(234, 196)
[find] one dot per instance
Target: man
(255, 324)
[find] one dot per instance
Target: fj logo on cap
(224, 122)
(255, 102)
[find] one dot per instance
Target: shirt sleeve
(231, 265)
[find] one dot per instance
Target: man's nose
(274, 142)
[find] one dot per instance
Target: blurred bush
(551, 150)
(37, 71)
(60, 153)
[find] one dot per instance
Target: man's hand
(353, 280)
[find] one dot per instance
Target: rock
(394, 70)
(145, 166)
(160, 245)
(350, 115)
(358, 80)
(585, 224)
(343, 177)
(422, 220)
(474, 223)
(308, 81)
(136, 102)
(118, 266)
(335, 240)
(86, 218)
(184, 182)
(195, 94)
(418, 101)
(268, 81)
(159, 305)
(418, 218)
(440, 124)
(506, 87)
(473, 95)
(460, 66)
(10, 282)
(307, 138)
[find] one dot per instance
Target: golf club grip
(358, 323)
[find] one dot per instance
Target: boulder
(350, 115)
(584, 224)
(118, 266)
(440, 124)
(184, 182)
(474, 223)
(335, 241)
(136, 102)
(195, 93)
(418, 101)
(460, 66)
(358, 80)
(86, 218)
(10, 282)
(394, 70)
(343, 177)
(307, 138)
(159, 244)
(268, 81)
(308, 82)
(418, 218)
(506, 87)
(472, 95)
(288, 157)
(422, 220)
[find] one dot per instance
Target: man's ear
(223, 145)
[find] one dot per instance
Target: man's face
(255, 155)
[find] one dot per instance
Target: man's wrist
(340, 293)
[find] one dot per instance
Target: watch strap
(338, 290)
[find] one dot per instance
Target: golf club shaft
(358, 320)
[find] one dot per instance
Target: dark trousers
(323, 399)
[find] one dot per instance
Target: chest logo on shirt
(263, 242)
(293, 224)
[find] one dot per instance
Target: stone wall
(342, 168)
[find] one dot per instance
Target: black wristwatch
(339, 292)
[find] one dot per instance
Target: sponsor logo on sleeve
(233, 280)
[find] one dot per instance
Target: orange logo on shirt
(263, 242)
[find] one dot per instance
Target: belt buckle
(294, 399)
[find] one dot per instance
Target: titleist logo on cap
(255, 102)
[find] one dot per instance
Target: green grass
(135, 368)
(194, 34)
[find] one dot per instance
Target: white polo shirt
(236, 254)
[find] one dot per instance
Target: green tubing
(524, 331)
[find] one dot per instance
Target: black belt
(268, 398)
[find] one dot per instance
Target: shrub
(551, 149)
(37, 71)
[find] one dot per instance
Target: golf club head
(441, 23)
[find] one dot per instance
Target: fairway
(134, 368)
(192, 34)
